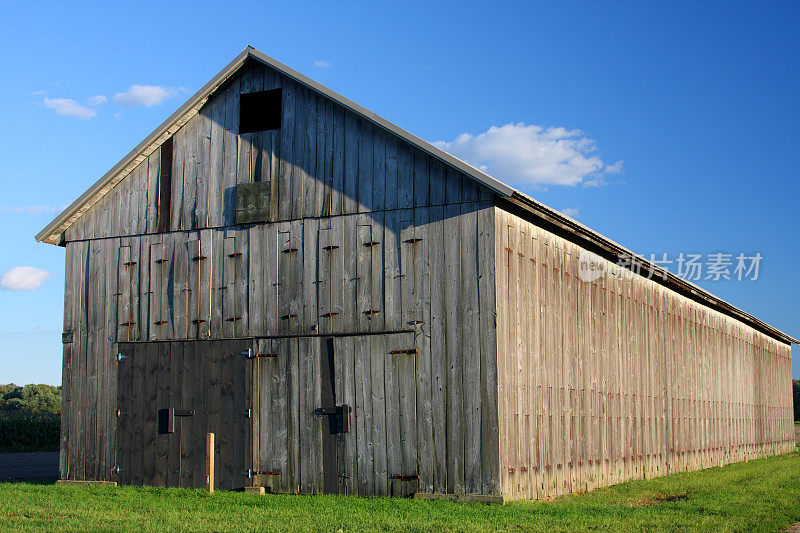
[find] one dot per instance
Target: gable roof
(54, 230)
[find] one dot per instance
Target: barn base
(86, 483)
(255, 490)
(474, 498)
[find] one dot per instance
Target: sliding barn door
(170, 395)
(336, 415)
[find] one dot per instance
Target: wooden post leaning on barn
(210, 463)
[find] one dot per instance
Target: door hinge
(406, 477)
(120, 357)
(251, 355)
(247, 413)
(406, 351)
(250, 473)
(120, 412)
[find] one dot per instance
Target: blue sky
(669, 127)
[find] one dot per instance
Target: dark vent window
(260, 111)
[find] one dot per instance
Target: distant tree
(33, 398)
(796, 395)
(8, 393)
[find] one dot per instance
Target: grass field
(762, 495)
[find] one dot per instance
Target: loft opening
(260, 111)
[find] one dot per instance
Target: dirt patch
(794, 528)
(654, 499)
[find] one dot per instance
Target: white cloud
(144, 95)
(100, 99)
(531, 155)
(33, 209)
(23, 278)
(570, 211)
(323, 64)
(70, 108)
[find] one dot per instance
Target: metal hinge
(120, 357)
(407, 477)
(247, 413)
(250, 473)
(406, 351)
(120, 412)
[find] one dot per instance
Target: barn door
(376, 376)
(336, 414)
(170, 395)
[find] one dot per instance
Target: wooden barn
(351, 310)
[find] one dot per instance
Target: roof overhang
(54, 231)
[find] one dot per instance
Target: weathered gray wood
(405, 176)
(377, 175)
(338, 160)
(124, 403)
(300, 180)
(293, 414)
(392, 312)
(453, 351)
(161, 365)
(188, 379)
(438, 349)
(190, 178)
(366, 182)
(66, 365)
(229, 308)
(470, 348)
(392, 186)
(241, 264)
(280, 408)
(363, 304)
(150, 396)
(310, 276)
(392, 381)
(363, 415)
(313, 188)
(95, 304)
(490, 439)
(346, 395)
(213, 364)
(350, 281)
(230, 150)
(350, 180)
(153, 171)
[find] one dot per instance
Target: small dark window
(260, 111)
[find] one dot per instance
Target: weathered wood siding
(427, 270)
(584, 368)
(324, 161)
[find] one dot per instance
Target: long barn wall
(427, 270)
(584, 368)
(323, 161)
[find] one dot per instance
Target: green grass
(761, 495)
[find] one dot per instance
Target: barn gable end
(325, 160)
